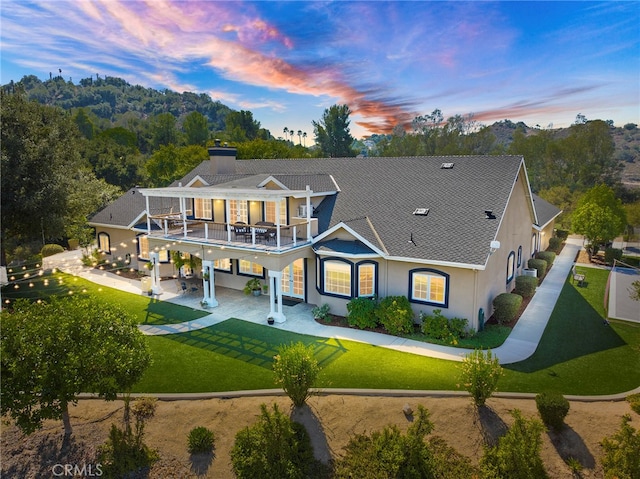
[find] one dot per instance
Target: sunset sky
(537, 62)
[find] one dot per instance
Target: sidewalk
(521, 343)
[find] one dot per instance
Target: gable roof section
(545, 211)
(122, 213)
(388, 190)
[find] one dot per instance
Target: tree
(40, 152)
(240, 126)
(169, 163)
(599, 216)
(480, 373)
(296, 369)
(332, 132)
(53, 351)
(84, 123)
(163, 130)
(196, 129)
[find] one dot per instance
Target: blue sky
(537, 62)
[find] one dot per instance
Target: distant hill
(626, 139)
(115, 101)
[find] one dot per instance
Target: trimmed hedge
(538, 264)
(548, 256)
(51, 249)
(394, 313)
(611, 254)
(506, 306)
(555, 243)
(553, 408)
(526, 286)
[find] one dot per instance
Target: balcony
(263, 237)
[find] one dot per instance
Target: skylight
(446, 166)
(421, 211)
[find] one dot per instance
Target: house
(449, 233)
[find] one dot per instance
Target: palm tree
(304, 136)
(299, 137)
(285, 131)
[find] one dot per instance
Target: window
(429, 287)
(366, 279)
(249, 268)
(270, 211)
(238, 211)
(202, 207)
(104, 243)
(519, 256)
(143, 247)
(337, 278)
(510, 266)
(222, 264)
(533, 245)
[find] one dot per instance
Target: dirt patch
(336, 419)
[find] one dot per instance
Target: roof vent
(446, 166)
(489, 215)
(421, 211)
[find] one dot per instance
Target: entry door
(293, 279)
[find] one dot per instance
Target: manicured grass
(578, 354)
(147, 309)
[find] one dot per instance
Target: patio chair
(577, 277)
(267, 232)
(241, 229)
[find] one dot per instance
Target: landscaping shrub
(611, 254)
(390, 453)
(394, 313)
(51, 249)
(296, 369)
(548, 256)
(553, 408)
(361, 313)
(517, 454)
(438, 326)
(526, 286)
(480, 374)
(274, 447)
(539, 265)
(634, 402)
(200, 440)
(73, 243)
(555, 243)
(506, 306)
(562, 234)
(622, 452)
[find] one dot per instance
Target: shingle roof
(127, 209)
(387, 190)
(544, 210)
(342, 246)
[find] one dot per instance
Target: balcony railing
(256, 236)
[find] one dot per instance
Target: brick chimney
(222, 159)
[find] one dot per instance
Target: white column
(146, 200)
(155, 273)
(209, 284)
(308, 213)
(275, 277)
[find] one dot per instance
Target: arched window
(519, 256)
(511, 267)
(429, 286)
(104, 243)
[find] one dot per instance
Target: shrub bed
(506, 306)
(438, 326)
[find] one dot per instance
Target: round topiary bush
(553, 408)
(538, 264)
(548, 256)
(506, 306)
(526, 286)
(51, 249)
(200, 440)
(555, 243)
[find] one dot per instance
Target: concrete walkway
(520, 344)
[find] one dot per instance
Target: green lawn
(146, 309)
(578, 354)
